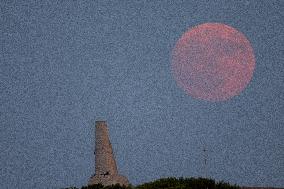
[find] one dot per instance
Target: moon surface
(213, 62)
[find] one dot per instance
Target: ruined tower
(106, 171)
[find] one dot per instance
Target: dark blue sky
(65, 64)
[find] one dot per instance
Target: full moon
(213, 62)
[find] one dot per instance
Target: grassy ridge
(171, 183)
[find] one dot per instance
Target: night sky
(66, 64)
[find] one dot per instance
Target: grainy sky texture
(65, 64)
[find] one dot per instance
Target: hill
(171, 183)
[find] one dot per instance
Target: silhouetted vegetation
(186, 183)
(171, 183)
(100, 186)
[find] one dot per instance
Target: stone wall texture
(106, 171)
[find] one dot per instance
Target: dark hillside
(172, 183)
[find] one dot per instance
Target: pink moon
(213, 62)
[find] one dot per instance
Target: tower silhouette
(106, 171)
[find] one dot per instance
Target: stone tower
(106, 171)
